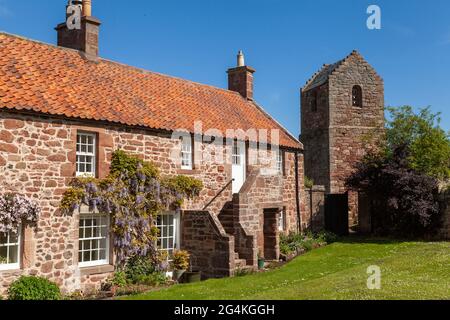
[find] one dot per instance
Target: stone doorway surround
(270, 244)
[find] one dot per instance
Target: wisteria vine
(16, 210)
(133, 194)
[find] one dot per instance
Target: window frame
(280, 162)
(93, 154)
(176, 232)
(357, 100)
(17, 265)
(187, 141)
(282, 216)
(99, 262)
(314, 100)
(236, 154)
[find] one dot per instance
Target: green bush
(309, 183)
(186, 185)
(326, 237)
(33, 288)
(119, 279)
(285, 248)
(123, 162)
(295, 241)
(307, 244)
(153, 279)
(138, 267)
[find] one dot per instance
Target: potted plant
(180, 263)
(261, 261)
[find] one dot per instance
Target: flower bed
(296, 244)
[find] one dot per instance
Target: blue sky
(285, 41)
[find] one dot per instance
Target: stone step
(240, 263)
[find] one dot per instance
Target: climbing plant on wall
(16, 210)
(133, 194)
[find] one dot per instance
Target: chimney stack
(84, 39)
(240, 79)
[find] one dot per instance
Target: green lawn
(410, 270)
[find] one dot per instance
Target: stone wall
(304, 216)
(211, 249)
(37, 159)
(315, 135)
(445, 209)
(315, 207)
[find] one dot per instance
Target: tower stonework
(340, 105)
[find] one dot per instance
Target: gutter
(297, 195)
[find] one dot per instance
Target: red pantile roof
(58, 81)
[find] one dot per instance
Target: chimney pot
(240, 59)
(87, 8)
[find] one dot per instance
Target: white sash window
(168, 224)
(279, 162)
(93, 247)
(10, 251)
(86, 154)
(186, 153)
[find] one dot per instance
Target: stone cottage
(64, 111)
(342, 106)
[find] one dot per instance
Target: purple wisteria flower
(15, 210)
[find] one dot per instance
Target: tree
(403, 200)
(428, 144)
(401, 174)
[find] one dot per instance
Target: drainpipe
(297, 195)
(311, 208)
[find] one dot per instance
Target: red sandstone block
(13, 124)
(31, 143)
(67, 170)
(9, 148)
(51, 132)
(6, 136)
(57, 158)
(63, 134)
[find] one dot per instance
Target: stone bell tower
(340, 105)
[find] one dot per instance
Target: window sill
(89, 271)
(11, 271)
(188, 172)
